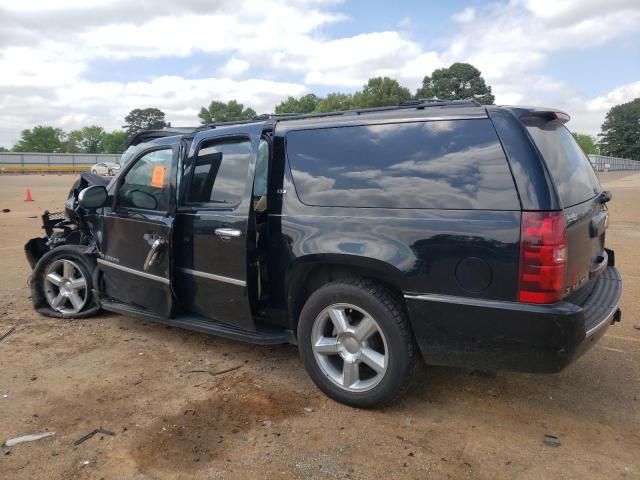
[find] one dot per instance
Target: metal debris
(213, 374)
(92, 433)
(551, 441)
(9, 331)
(28, 438)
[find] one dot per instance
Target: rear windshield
(442, 164)
(570, 168)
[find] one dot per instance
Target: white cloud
(587, 115)
(47, 50)
(351, 61)
(465, 16)
(511, 43)
(106, 103)
(234, 67)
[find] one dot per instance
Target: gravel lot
(267, 420)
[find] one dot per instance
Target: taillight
(543, 257)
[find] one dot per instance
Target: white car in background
(106, 168)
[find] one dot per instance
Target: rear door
(212, 225)
(135, 237)
(581, 197)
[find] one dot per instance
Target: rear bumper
(497, 335)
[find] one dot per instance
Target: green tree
(141, 119)
(335, 102)
(381, 92)
(304, 104)
(620, 135)
(71, 142)
(86, 140)
(458, 82)
(587, 142)
(92, 139)
(114, 142)
(3, 149)
(40, 139)
(225, 112)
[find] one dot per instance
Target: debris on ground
(637, 326)
(551, 441)
(28, 438)
(92, 433)
(213, 374)
(8, 332)
(6, 210)
(308, 409)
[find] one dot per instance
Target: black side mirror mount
(93, 197)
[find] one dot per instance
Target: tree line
(620, 131)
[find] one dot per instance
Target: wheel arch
(309, 273)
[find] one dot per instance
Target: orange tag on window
(157, 176)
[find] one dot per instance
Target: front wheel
(356, 343)
(61, 284)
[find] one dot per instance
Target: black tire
(387, 309)
(84, 262)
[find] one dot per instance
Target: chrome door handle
(152, 256)
(227, 233)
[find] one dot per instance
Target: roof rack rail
(436, 102)
(418, 103)
(415, 103)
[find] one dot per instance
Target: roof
(411, 110)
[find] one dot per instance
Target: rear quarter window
(456, 164)
(570, 168)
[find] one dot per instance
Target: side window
(146, 185)
(444, 164)
(220, 172)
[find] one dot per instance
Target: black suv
(470, 235)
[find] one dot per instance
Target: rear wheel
(61, 284)
(356, 343)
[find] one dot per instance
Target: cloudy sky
(70, 63)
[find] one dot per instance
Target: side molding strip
(211, 276)
(133, 271)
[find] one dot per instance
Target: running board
(262, 336)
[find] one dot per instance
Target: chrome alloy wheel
(349, 347)
(65, 287)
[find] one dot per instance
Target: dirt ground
(267, 420)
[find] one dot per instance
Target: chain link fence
(606, 164)
(11, 162)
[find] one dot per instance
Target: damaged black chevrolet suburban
(472, 236)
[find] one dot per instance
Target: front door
(135, 236)
(212, 228)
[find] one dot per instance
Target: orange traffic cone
(27, 197)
